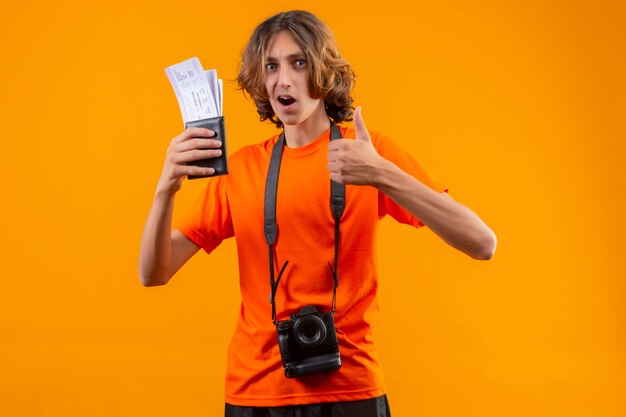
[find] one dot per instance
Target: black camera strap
(337, 206)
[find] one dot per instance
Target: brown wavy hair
(330, 76)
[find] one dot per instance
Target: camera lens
(310, 331)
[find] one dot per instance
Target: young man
(293, 71)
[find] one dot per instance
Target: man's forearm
(156, 243)
(456, 224)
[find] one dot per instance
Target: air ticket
(199, 93)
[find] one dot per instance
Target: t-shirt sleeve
(207, 222)
(389, 150)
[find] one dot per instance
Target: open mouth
(286, 100)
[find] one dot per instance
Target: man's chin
(289, 119)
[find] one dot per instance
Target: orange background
(517, 106)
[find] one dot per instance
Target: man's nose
(284, 76)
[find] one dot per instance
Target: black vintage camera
(308, 343)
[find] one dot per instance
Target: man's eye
(270, 67)
(300, 63)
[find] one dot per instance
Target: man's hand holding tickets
(193, 144)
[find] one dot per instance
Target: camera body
(308, 343)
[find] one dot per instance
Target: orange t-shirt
(232, 205)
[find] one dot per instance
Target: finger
(338, 144)
(359, 125)
(196, 155)
(182, 170)
(334, 155)
(197, 143)
(196, 170)
(193, 132)
(200, 132)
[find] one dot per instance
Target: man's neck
(306, 132)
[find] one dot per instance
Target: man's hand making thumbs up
(354, 161)
(357, 162)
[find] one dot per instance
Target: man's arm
(163, 251)
(453, 222)
(357, 162)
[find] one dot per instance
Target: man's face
(286, 81)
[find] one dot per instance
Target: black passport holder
(220, 164)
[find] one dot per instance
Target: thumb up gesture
(354, 161)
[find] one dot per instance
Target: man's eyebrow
(290, 56)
